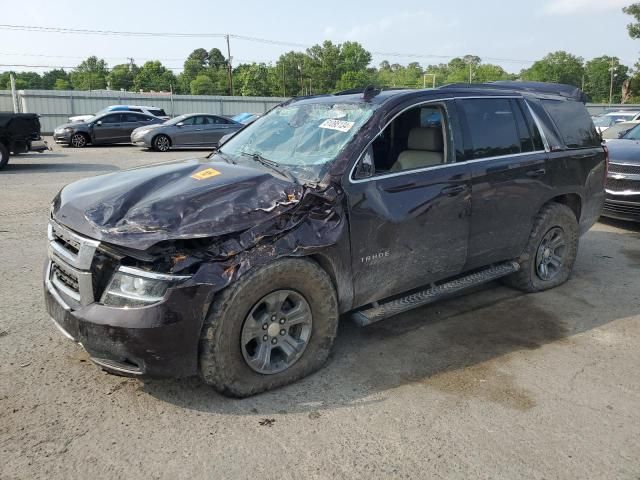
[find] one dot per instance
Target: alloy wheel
(78, 140)
(276, 332)
(551, 254)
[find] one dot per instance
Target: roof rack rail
(566, 91)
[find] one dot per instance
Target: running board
(418, 299)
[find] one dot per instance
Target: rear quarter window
(573, 123)
(157, 112)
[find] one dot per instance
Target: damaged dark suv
(238, 267)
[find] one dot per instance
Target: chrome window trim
(538, 123)
(353, 180)
(153, 275)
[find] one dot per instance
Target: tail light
(606, 161)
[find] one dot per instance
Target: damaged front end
(135, 260)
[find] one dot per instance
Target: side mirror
(99, 123)
(366, 168)
(180, 124)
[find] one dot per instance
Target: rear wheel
(78, 140)
(4, 156)
(551, 251)
(162, 143)
(272, 327)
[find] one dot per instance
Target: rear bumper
(156, 341)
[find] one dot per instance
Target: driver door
(109, 129)
(409, 220)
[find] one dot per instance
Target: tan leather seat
(426, 148)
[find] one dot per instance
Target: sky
(511, 33)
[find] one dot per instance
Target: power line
(33, 28)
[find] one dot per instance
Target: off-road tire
(4, 156)
(551, 215)
(221, 362)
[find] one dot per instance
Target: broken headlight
(132, 287)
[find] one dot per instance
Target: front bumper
(622, 207)
(159, 340)
(62, 138)
(143, 140)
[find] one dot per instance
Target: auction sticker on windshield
(339, 125)
(206, 173)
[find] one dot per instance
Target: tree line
(331, 67)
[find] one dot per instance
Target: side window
(573, 123)
(492, 127)
(189, 121)
(218, 120)
(415, 139)
(113, 118)
(131, 117)
(157, 112)
(536, 136)
(633, 134)
(139, 110)
(526, 143)
(200, 120)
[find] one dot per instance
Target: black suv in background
(19, 133)
(237, 267)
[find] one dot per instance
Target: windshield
(301, 138)
(633, 134)
(621, 117)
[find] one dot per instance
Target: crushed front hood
(181, 200)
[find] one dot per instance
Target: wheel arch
(571, 200)
(153, 139)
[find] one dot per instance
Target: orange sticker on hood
(206, 173)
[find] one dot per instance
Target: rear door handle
(536, 173)
(454, 190)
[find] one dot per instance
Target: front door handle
(454, 190)
(536, 173)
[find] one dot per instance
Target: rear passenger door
(130, 122)
(509, 180)
(218, 127)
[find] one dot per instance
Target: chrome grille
(622, 185)
(70, 258)
(625, 169)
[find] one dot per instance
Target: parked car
(201, 130)
(245, 118)
(623, 178)
(113, 127)
(238, 267)
(19, 133)
(153, 111)
(609, 119)
(619, 130)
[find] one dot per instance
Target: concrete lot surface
(495, 384)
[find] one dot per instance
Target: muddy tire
(548, 258)
(241, 323)
(4, 156)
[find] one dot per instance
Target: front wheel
(78, 140)
(550, 252)
(272, 327)
(161, 143)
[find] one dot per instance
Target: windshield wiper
(270, 164)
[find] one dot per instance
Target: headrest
(425, 139)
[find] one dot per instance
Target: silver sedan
(193, 130)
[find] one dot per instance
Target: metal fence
(56, 106)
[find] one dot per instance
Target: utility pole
(470, 74)
(284, 83)
(612, 69)
(14, 94)
(229, 68)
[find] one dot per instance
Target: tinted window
(158, 112)
(114, 118)
(633, 134)
(218, 120)
(201, 121)
(492, 127)
(573, 122)
(136, 110)
(188, 121)
(526, 144)
(130, 117)
(536, 137)
(430, 117)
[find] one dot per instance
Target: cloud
(568, 7)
